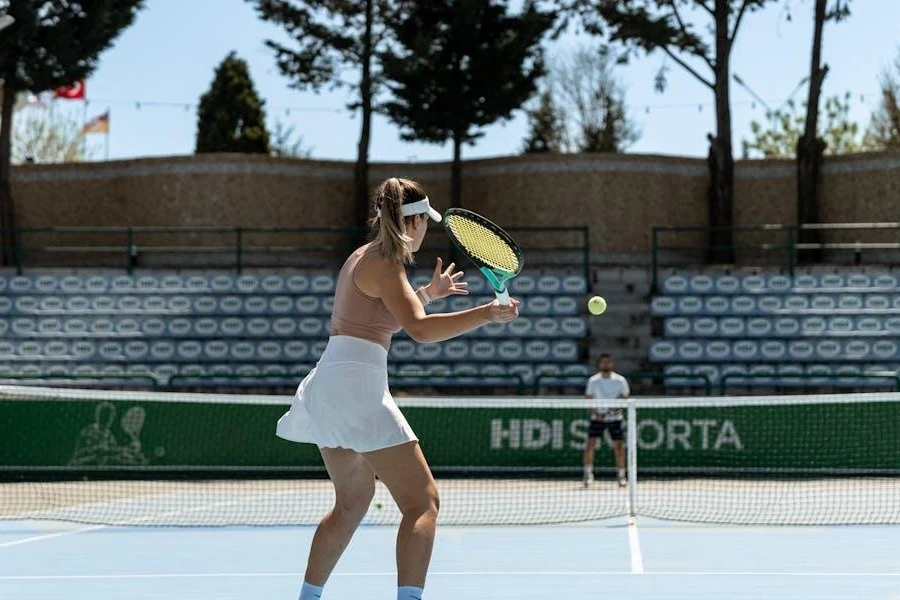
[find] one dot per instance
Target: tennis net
(136, 458)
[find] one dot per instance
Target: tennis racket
(491, 249)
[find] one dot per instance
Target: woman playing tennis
(344, 406)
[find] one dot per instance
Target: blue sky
(152, 78)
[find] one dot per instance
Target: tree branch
(684, 32)
(737, 23)
(687, 67)
(702, 4)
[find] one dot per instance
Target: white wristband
(425, 295)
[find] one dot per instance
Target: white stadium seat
(759, 326)
(716, 305)
(773, 350)
(428, 352)
(822, 303)
(787, 326)
(483, 350)
(841, 325)
(677, 327)
(885, 350)
(727, 284)
(743, 305)
(828, 349)
(754, 284)
(549, 284)
(521, 285)
(814, 325)
(850, 302)
(857, 349)
(691, 350)
(675, 284)
(662, 351)
(564, 305)
(705, 327)
(769, 304)
(732, 327)
(510, 350)
(858, 280)
(534, 350)
(831, 281)
(322, 284)
(701, 284)
(806, 281)
(574, 284)
(878, 302)
(690, 305)
(297, 284)
(871, 325)
(663, 306)
(297, 350)
(801, 350)
(744, 350)
(885, 281)
(718, 350)
(780, 284)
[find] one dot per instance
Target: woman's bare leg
(405, 472)
(354, 487)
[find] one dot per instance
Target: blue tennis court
(652, 559)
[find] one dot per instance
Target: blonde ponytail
(389, 223)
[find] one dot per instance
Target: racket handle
(503, 297)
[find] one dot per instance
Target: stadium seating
(221, 327)
(826, 328)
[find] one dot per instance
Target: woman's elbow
(418, 332)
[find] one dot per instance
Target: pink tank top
(356, 313)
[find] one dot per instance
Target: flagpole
(83, 136)
(108, 115)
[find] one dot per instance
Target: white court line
(294, 574)
(127, 522)
(47, 536)
(634, 547)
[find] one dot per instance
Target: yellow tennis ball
(596, 305)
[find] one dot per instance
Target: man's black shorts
(597, 428)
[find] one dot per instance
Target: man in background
(606, 384)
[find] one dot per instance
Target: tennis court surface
(139, 495)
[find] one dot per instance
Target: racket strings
(484, 244)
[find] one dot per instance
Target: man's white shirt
(607, 388)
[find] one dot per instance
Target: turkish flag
(72, 92)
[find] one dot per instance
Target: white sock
(409, 592)
(588, 469)
(621, 473)
(310, 592)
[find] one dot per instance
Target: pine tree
(884, 129)
(461, 65)
(231, 116)
(545, 126)
(51, 44)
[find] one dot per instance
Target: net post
(631, 457)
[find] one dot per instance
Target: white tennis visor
(419, 208)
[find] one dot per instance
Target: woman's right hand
(499, 313)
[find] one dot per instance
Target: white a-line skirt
(344, 402)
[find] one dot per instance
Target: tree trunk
(456, 174)
(361, 169)
(810, 148)
(7, 212)
(720, 193)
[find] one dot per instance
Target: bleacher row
(266, 326)
(814, 328)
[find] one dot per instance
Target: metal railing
(240, 247)
(783, 379)
(777, 245)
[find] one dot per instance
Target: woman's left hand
(445, 282)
